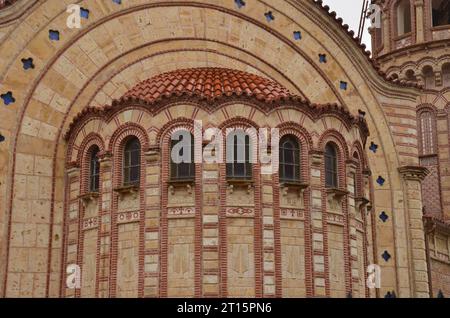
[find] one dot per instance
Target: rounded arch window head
(131, 162)
(94, 169)
(394, 76)
(403, 10)
(289, 159)
(331, 162)
(410, 76)
(428, 75)
(440, 12)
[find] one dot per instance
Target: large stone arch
(71, 74)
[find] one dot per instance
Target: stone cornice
(414, 172)
(312, 109)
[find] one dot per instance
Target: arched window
(94, 169)
(394, 76)
(289, 159)
(182, 166)
(446, 75)
(132, 162)
(238, 156)
(426, 122)
(331, 173)
(428, 75)
(441, 12)
(403, 17)
(410, 75)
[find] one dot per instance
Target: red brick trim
(306, 144)
(240, 123)
(116, 146)
(338, 140)
(163, 139)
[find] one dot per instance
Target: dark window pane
(94, 169)
(289, 159)
(182, 170)
(330, 166)
(132, 160)
(289, 172)
(134, 174)
(240, 166)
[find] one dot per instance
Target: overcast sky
(350, 11)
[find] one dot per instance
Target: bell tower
(413, 41)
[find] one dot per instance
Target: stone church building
(93, 205)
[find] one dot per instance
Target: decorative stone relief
(128, 217)
(293, 266)
(240, 212)
(292, 214)
(181, 212)
(240, 196)
(292, 197)
(334, 218)
(334, 199)
(128, 201)
(240, 254)
(90, 223)
(181, 195)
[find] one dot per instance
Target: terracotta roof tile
(209, 83)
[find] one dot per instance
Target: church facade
(94, 205)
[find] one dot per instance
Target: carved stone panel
(292, 198)
(336, 260)
(129, 202)
(241, 264)
(181, 212)
(293, 258)
(128, 260)
(89, 264)
(240, 196)
(183, 195)
(181, 258)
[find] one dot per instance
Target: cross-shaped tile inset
(322, 58)
(384, 217)
(8, 98)
(239, 3)
(381, 181)
(269, 16)
(386, 256)
(84, 13)
(28, 63)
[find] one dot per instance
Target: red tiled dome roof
(208, 83)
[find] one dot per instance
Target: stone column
(72, 225)
(319, 257)
(211, 206)
(269, 278)
(413, 176)
(152, 224)
(104, 234)
(420, 32)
